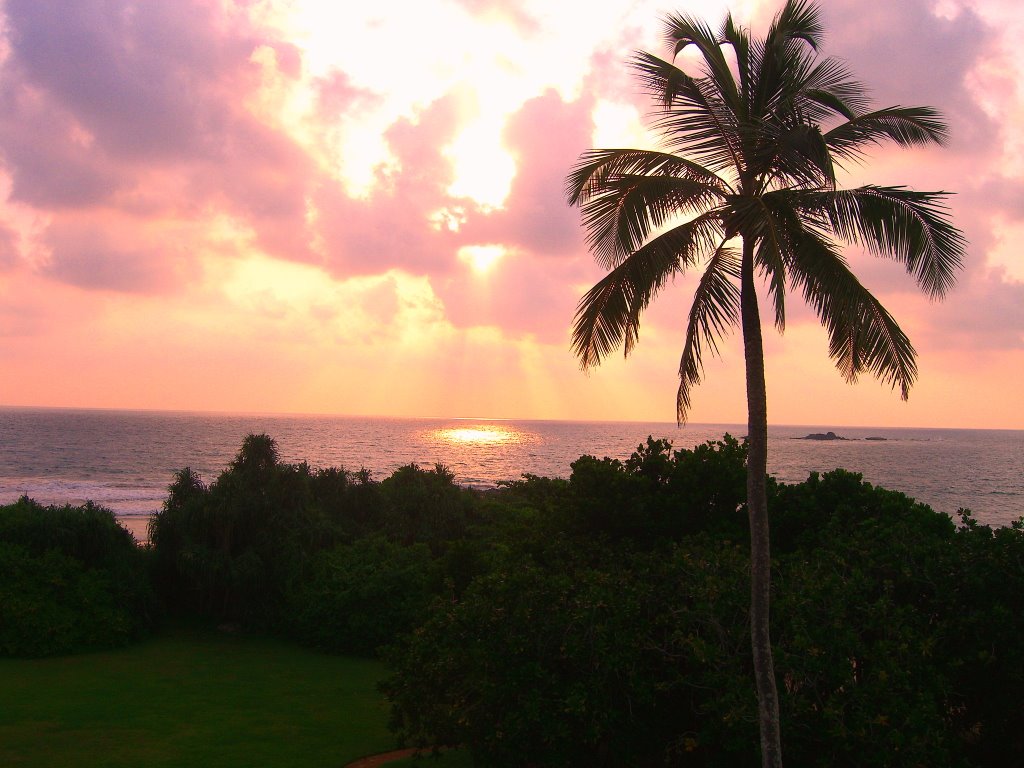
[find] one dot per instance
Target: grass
(192, 698)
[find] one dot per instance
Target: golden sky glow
(298, 206)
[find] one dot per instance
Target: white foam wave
(123, 500)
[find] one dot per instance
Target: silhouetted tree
(746, 184)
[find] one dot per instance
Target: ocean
(125, 460)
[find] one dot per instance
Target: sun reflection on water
(479, 435)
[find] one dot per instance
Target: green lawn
(192, 698)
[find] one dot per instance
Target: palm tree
(745, 189)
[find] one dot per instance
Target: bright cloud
(292, 205)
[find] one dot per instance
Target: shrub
(70, 579)
(235, 550)
(363, 595)
(658, 494)
(425, 506)
(577, 665)
(897, 635)
(266, 537)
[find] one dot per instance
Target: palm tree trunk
(757, 509)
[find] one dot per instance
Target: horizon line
(308, 414)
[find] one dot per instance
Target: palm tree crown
(762, 133)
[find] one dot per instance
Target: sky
(289, 206)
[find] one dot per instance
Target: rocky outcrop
(821, 436)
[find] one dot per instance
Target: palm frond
(610, 311)
(621, 208)
(791, 95)
(714, 311)
(798, 20)
(907, 126)
(630, 208)
(666, 83)
(863, 336)
(770, 257)
(781, 63)
(795, 154)
(694, 116)
(739, 39)
(750, 217)
(595, 167)
(683, 31)
(911, 227)
(829, 89)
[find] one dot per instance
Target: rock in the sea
(822, 436)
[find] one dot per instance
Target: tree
(745, 185)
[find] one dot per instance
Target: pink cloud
(88, 256)
(137, 109)
(907, 55)
(144, 79)
(9, 256)
(985, 314)
(392, 228)
(336, 95)
(545, 136)
(1005, 195)
(525, 294)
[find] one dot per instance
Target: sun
(482, 168)
(482, 259)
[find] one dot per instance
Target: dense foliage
(359, 596)
(600, 620)
(70, 578)
(615, 633)
(324, 555)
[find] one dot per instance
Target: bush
(70, 579)
(235, 550)
(266, 540)
(897, 635)
(363, 595)
(578, 665)
(658, 494)
(425, 506)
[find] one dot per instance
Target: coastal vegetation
(598, 620)
(70, 578)
(745, 189)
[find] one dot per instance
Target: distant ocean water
(125, 460)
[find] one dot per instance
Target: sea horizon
(377, 416)
(125, 459)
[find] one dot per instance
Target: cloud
(139, 110)
(87, 256)
(47, 165)
(337, 95)
(216, 181)
(391, 228)
(503, 11)
(1003, 195)
(524, 295)
(138, 77)
(8, 248)
(545, 137)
